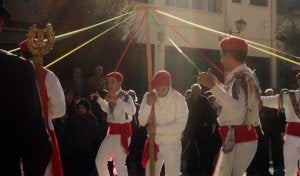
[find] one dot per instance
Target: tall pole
(273, 70)
(151, 120)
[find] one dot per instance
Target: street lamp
(239, 25)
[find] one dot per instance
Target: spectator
(97, 81)
(197, 133)
(76, 83)
(84, 140)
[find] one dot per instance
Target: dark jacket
(22, 130)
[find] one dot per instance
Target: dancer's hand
(151, 98)
(207, 79)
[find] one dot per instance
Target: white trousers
(237, 161)
(291, 153)
(111, 147)
(170, 155)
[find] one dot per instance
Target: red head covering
(298, 76)
(233, 43)
(116, 75)
(161, 78)
(23, 46)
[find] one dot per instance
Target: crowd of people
(94, 127)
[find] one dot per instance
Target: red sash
(56, 161)
(293, 128)
(123, 129)
(242, 134)
(146, 153)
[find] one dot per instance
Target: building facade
(260, 17)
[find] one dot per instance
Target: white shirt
(121, 109)
(171, 114)
(272, 102)
(234, 110)
(56, 97)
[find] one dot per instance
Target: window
(294, 5)
(177, 3)
(197, 4)
(215, 6)
(259, 2)
(236, 1)
(182, 3)
(170, 3)
(142, 1)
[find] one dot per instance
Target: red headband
(161, 78)
(233, 43)
(117, 75)
(23, 46)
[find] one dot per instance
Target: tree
(289, 25)
(69, 15)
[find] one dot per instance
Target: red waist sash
(241, 132)
(123, 129)
(293, 128)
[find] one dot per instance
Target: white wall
(258, 28)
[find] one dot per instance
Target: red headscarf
(119, 77)
(161, 78)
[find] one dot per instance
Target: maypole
(151, 119)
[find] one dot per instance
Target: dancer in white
(240, 100)
(171, 114)
(119, 107)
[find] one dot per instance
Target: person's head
(98, 71)
(76, 73)
(208, 93)
(196, 90)
(161, 82)
(211, 98)
(83, 106)
(213, 101)
(298, 79)
(133, 95)
(114, 81)
(233, 52)
(188, 93)
(269, 92)
(284, 90)
(4, 15)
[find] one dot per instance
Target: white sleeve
(225, 99)
(103, 104)
(270, 101)
(181, 117)
(144, 111)
(56, 96)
